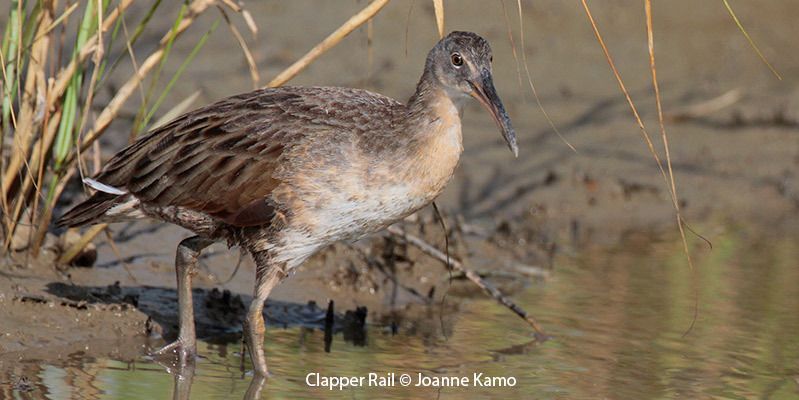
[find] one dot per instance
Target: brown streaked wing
(218, 159)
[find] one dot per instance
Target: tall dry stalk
(48, 91)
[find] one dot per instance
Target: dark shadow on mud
(218, 315)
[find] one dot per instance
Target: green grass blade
(749, 39)
(140, 28)
(179, 72)
(65, 138)
(11, 41)
(156, 76)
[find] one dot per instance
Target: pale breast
(344, 190)
(347, 209)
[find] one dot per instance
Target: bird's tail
(95, 208)
(89, 212)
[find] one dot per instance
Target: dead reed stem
(75, 249)
(254, 75)
(330, 41)
(438, 6)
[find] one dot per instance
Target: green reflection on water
(618, 317)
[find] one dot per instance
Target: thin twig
(489, 289)
(118, 255)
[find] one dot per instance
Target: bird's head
(461, 64)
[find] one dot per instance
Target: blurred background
(585, 240)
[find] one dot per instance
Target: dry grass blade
(333, 39)
(75, 249)
(407, 25)
(650, 36)
(512, 44)
(645, 134)
(26, 122)
(438, 6)
(256, 78)
(624, 91)
(530, 81)
(233, 6)
(250, 22)
(749, 39)
(59, 20)
(30, 118)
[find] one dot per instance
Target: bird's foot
(260, 372)
(185, 349)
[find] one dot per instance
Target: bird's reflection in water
(352, 326)
(183, 376)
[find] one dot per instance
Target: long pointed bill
(485, 93)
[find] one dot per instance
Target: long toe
(184, 351)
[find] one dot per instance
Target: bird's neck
(434, 126)
(429, 94)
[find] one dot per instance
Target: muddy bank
(52, 311)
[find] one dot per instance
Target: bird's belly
(352, 216)
(346, 215)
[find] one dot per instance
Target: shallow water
(619, 319)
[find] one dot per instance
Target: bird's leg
(267, 277)
(185, 267)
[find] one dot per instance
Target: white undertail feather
(102, 187)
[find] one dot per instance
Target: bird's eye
(491, 59)
(457, 60)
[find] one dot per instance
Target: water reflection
(618, 318)
(184, 378)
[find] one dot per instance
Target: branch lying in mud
(432, 251)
